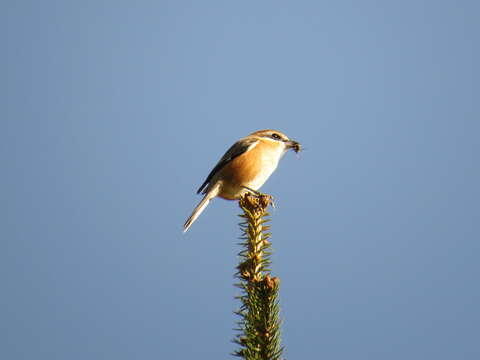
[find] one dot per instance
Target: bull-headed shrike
(244, 167)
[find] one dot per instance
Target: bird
(245, 167)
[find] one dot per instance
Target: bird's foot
(260, 195)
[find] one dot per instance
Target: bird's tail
(200, 207)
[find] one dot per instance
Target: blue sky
(114, 113)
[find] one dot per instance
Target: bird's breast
(251, 169)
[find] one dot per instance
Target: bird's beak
(294, 145)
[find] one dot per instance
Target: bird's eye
(276, 136)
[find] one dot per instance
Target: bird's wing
(235, 150)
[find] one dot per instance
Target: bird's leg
(258, 193)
